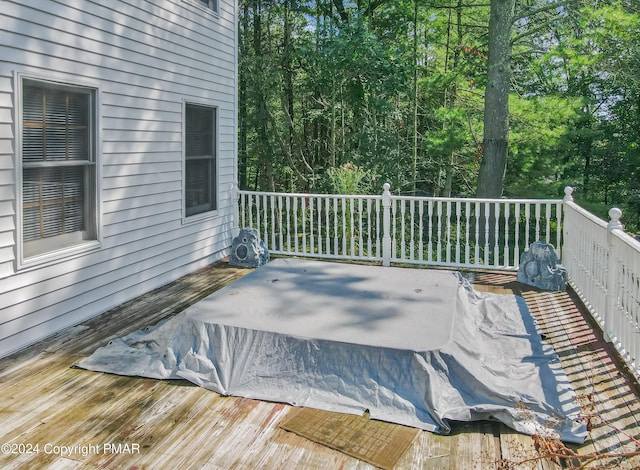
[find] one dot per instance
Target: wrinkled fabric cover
(494, 366)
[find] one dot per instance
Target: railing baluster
(559, 229)
(538, 209)
(635, 312)
(243, 221)
(430, 212)
(305, 204)
(327, 224)
(448, 232)
(458, 215)
(272, 205)
(394, 237)
(527, 215)
(467, 241)
(439, 246)
(352, 237)
(312, 239)
(421, 230)
(548, 222)
(259, 218)
(336, 246)
(255, 218)
(379, 231)
(287, 202)
(318, 230)
(412, 218)
(516, 248)
(360, 227)
(369, 245)
(634, 331)
(477, 245)
(280, 226)
(252, 204)
(487, 216)
(496, 244)
(626, 324)
(295, 224)
(344, 226)
(402, 229)
(506, 234)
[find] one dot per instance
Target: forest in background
(336, 96)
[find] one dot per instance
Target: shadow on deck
(72, 414)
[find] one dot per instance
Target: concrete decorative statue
(247, 250)
(539, 268)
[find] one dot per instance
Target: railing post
(612, 270)
(568, 194)
(566, 230)
(235, 197)
(386, 225)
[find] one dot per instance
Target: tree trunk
(242, 108)
(287, 79)
(496, 101)
(414, 96)
(265, 154)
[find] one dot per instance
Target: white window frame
(215, 190)
(70, 245)
(212, 6)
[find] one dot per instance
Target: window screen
(200, 164)
(58, 168)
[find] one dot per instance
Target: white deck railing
(603, 262)
(604, 269)
(460, 232)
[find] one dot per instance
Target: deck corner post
(386, 225)
(235, 198)
(568, 194)
(612, 271)
(566, 230)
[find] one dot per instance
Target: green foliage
(539, 128)
(351, 179)
(397, 88)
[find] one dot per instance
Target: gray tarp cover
(413, 346)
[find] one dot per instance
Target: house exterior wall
(146, 59)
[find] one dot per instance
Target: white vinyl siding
(7, 181)
(146, 59)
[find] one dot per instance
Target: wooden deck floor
(53, 415)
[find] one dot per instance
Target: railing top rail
(480, 200)
(627, 239)
(586, 214)
(399, 197)
(327, 195)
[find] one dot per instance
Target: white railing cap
(568, 194)
(614, 223)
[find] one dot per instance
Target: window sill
(55, 256)
(204, 216)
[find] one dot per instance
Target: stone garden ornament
(247, 250)
(539, 268)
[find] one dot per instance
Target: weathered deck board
(175, 424)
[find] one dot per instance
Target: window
(200, 159)
(208, 4)
(58, 167)
(211, 4)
